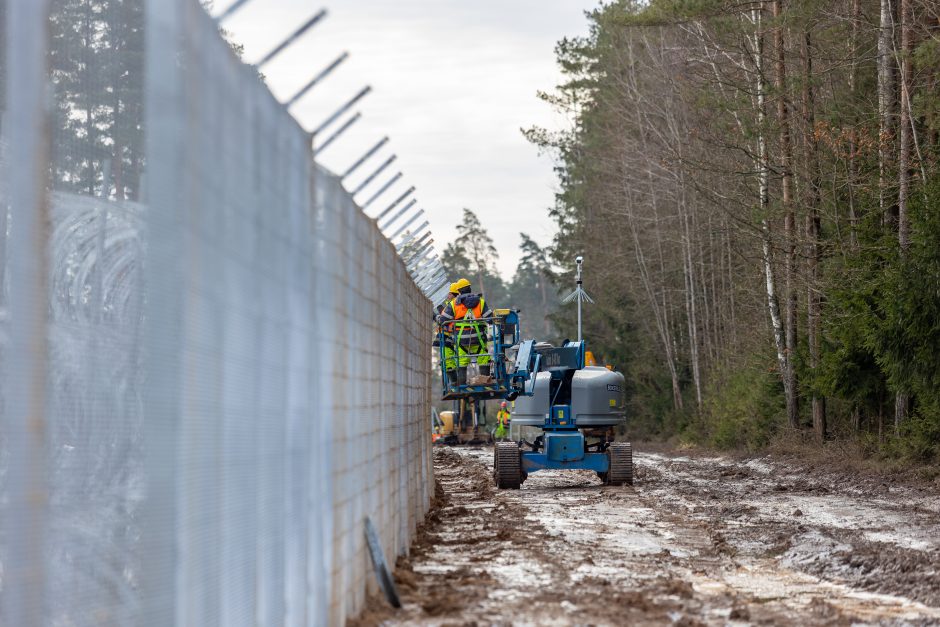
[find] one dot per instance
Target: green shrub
(743, 409)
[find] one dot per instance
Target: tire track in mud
(696, 541)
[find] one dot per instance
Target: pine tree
(531, 286)
(97, 66)
(476, 246)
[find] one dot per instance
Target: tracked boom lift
(575, 405)
(465, 424)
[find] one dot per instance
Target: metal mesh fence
(214, 365)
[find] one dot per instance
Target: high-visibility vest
(502, 417)
(468, 334)
(446, 330)
(461, 310)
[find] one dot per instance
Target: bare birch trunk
(885, 99)
(773, 304)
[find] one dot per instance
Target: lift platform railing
(500, 339)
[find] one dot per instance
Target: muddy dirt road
(694, 541)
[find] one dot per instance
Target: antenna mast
(578, 294)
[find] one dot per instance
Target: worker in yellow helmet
(469, 338)
(449, 350)
(502, 422)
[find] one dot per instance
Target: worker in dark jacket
(450, 355)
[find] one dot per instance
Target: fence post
(160, 590)
(25, 370)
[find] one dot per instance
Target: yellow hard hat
(453, 289)
(461, 284)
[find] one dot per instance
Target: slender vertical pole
(25, 371)
(579, 300)
(579, 319)
(578, 294)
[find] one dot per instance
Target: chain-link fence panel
(214, 366)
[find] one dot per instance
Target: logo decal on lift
(614, 388)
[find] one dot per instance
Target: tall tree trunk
(902, 402)
(706, 298)
(885, 101)
(904, 128)
(813, 298)
(773, 304)
(853, 134)
(714, 272)
(731, 290)
(88, 78)
(691, 304)
(789, 217)
(117, 169)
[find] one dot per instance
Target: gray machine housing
(597, 399)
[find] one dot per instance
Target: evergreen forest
(757, 187)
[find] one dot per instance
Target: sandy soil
(695, 541)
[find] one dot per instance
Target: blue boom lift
(575, 405)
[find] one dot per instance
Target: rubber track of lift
(508, 465)
(621, 463)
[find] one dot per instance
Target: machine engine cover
(532, 411)
(597, 399)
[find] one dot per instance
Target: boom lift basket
(501, 343)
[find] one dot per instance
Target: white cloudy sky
(454, 81)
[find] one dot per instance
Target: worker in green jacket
(502, 422)
(447, 336)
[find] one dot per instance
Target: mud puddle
(707, 541)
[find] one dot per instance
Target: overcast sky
(454, 82)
